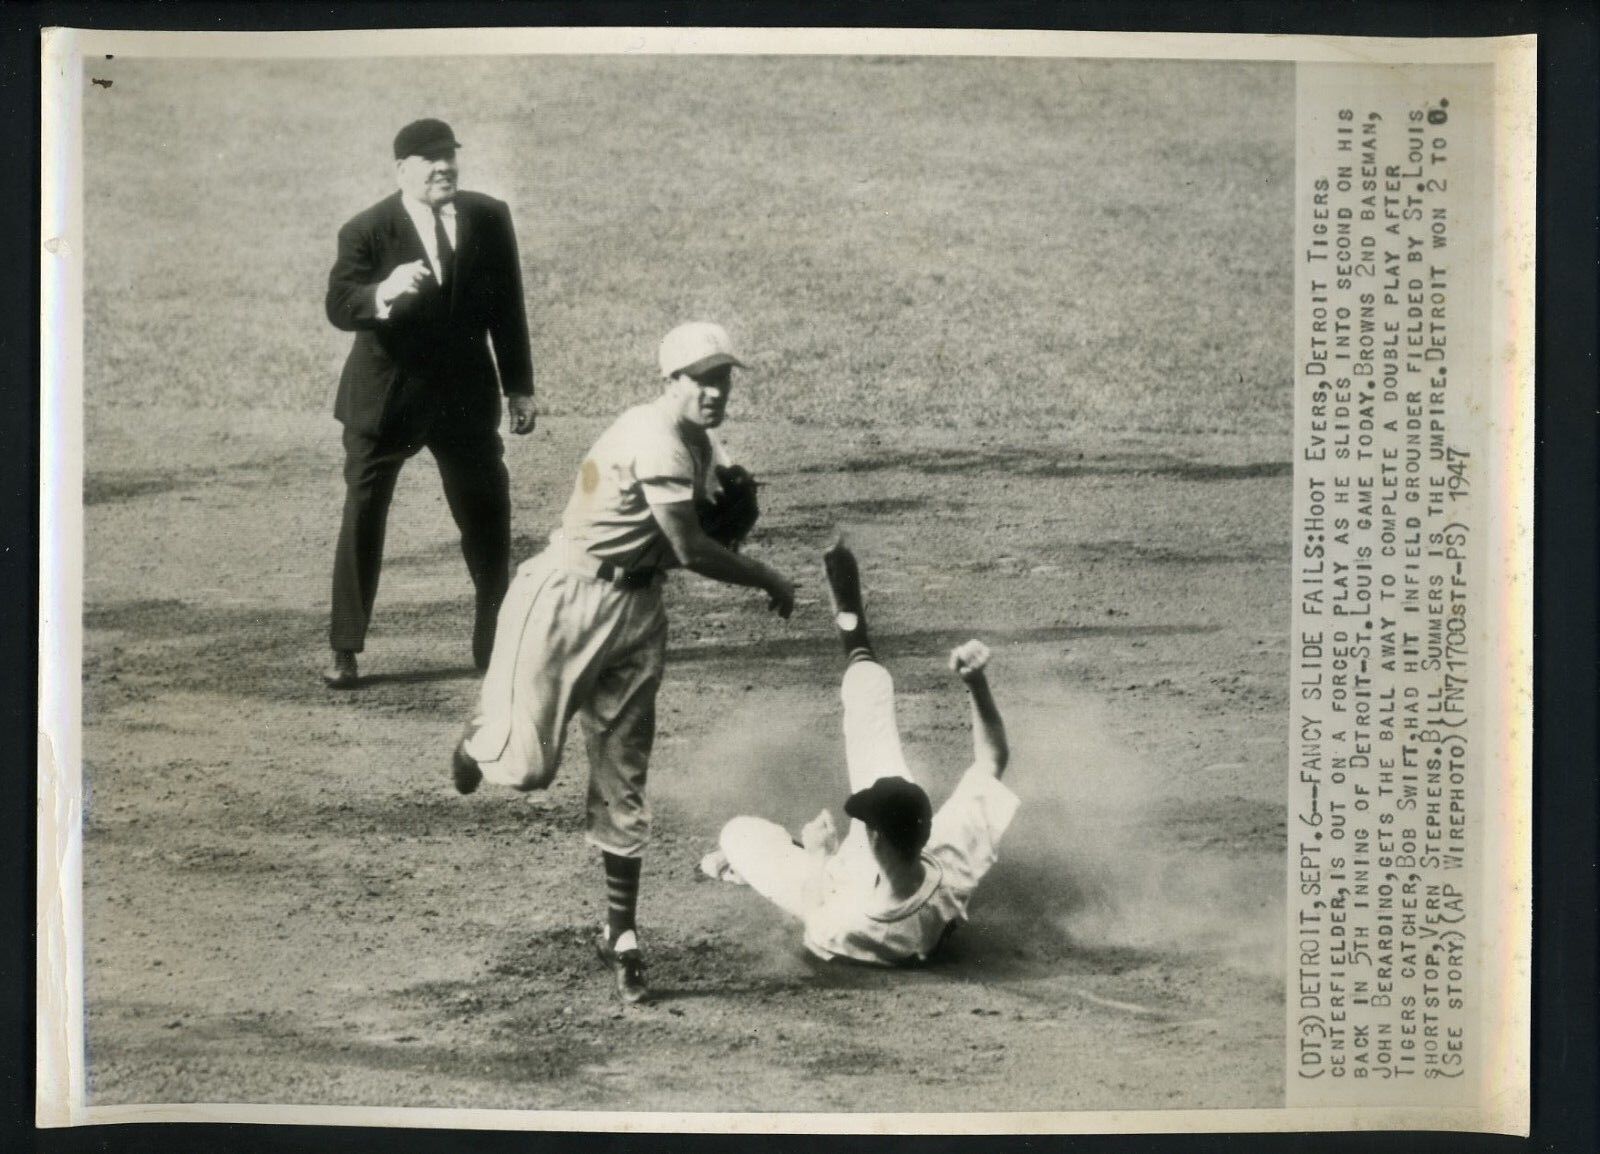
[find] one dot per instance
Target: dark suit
(423, 377)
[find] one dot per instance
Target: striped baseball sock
(853, 635)
(622, 894)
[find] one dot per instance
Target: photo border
(1560, 413)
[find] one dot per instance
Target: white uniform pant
(762, 852)
(570, 644)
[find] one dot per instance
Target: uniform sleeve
(840, 927)
(664, 468)
(824, 933)
(968, 827)
(843, 924)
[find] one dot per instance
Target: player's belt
(628, 578)
(569, 556)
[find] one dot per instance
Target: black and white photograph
(671, 583)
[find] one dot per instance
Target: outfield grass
(1029, 245)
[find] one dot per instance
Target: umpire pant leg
(371, 467)
(477, 488)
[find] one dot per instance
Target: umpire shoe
(844, 580)
(627, 965)
(342, 674)
(464, 769)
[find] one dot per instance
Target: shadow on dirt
(158, 645)
(105, 488)
(423, 676)
(872, 507)
(753, 957)
(1143, 553)
(276, 653)
(661, 994)
(923, 640)
(1042, 462)
(563, 963)
(258, 1038)
(526, 1061)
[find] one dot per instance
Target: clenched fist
(404, 280)
(969, 659)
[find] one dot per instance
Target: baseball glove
(729, 517)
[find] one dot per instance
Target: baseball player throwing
(583, 631)
(900, 882)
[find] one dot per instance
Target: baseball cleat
(628, 967)
(844, 585)
(464, 770)
(343, 673)
(844, 590)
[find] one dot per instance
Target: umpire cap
(425, 138)
(898, 808)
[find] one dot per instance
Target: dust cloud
(1091, 871)
(782, 761)
(1092, 863)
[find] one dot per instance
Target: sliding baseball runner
(901, 880)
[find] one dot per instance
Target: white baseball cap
(695, 348)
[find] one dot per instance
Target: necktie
(447, 255)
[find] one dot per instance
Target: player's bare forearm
(989, 745)
(709, 559)
(700, 554)
(968, 662)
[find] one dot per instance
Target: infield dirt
(284, 899)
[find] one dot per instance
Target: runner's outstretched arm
(989, 747)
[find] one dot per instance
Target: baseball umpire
(901, 881)
(583, 631)
(426, 279)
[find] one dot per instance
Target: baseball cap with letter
(425, 138)
(695, 348)
(896, 807)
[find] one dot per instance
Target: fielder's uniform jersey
(576, 639)
(851, 921)
(644, 459)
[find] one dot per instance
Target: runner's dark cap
(896, 807)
